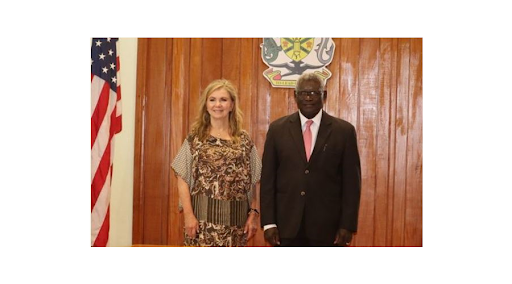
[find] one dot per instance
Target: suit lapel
(323, 133)
(296, 133)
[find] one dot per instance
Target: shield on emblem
(297, 48)
(288, 58)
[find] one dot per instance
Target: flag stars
(108, 39)
(105, 69)
(114, 80)
(98, 43)
(102, 56)
(110, 52)
(112, 66)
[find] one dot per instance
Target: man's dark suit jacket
(325, 190)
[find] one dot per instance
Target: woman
(217, 168)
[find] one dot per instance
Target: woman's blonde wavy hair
(201, 125)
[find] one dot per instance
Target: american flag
(105, 123)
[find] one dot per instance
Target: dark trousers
(301, 240)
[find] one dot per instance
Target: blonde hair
(201, 125)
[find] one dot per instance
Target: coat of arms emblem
(289, 57)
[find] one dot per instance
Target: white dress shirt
(314, 133)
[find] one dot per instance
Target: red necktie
(307, 138)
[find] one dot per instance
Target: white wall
(121, 202)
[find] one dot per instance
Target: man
(311, 176)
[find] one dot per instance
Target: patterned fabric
(221, 176)
(227, 212)
(214, 235)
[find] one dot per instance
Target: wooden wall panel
(349, 80)
(367, 133)
(382, 146)
(195, 77)
(349, 88)
(231, 60)
(155, 203)
(392, 141)
(261, 112)
(212, 61)
(413, 200)
(178, 89)
(332, 105)
(246, 80)
(138, 161)
(401, 142)
(376, 85)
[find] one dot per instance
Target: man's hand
(343, 238)
(272, 236)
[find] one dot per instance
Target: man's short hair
(310, 77)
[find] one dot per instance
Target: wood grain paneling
(195, 76)
(413, 199)
(138, 161)
(231, 60)
(349, 90)
(156, 140)
(376, 85)
(212, 60)
(367, 133)
(401, 142)
(178, 89)
(392, 142)
(246, 81)
(382, 146)
(261, 111)
(332, 105)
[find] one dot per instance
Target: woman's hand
(251, 225)
(191, 225)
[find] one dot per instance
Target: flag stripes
(105, 123)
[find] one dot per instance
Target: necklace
(220, 133)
